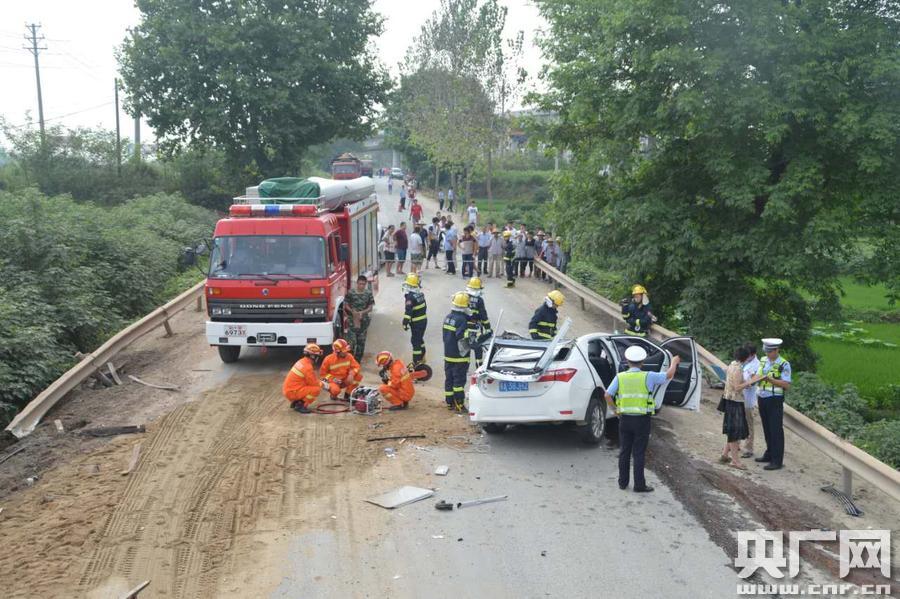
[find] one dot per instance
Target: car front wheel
(229, 353)
(591, 432)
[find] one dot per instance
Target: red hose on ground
(342, 407)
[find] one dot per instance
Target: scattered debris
(111, 431)
(437, 536)
(442, 470)
(12, 453)
(473, 502)
(113, 373)
(846, 501)
(544, 553)
(92, 469)
(201, 369)
(395, 437)
(132, 463)
(389, 452)
(459, 539)
(59, 426)
(400, 497)
(396, 577)
(333, 517)
(376, 425)
(31, 480)
(164, 387)
(133, 593)
(443, 506)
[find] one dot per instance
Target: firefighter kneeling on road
(543, 323)
(398, 387)
(341, 370)
(456, 352)
(302, 386)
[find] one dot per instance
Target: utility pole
(35, 49)
(118, 133)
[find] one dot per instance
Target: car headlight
(216, 311)
(226, 311)
(308, 311)
(320, 311)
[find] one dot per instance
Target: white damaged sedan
(525, 381)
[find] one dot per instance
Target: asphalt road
(566, 529)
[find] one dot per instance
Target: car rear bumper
(284, 333)
(543, 408)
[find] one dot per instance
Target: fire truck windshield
(344, 169)
(267, 256)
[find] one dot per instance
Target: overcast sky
(78, 67)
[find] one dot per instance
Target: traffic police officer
(634, 404)
(479, 323)
(543, 323)
(456, 352)
(774, 378)
(636, 312)
(415, 318)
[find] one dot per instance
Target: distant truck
(366, 168)
(347, 166)
(283, 261)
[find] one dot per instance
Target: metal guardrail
(26, 420)
(852, 459)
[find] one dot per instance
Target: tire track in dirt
(236, 463)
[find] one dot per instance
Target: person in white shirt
(749, 369)
(440, 201)
(495, 255)
(416, 249)
(451, 197)
(472, 212)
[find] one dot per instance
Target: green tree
(259, 80)
(456, 77)
(726, 154)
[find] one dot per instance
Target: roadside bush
(72, 274)
(532, 187)
(609, 284)
(841, 412)
(882, 440)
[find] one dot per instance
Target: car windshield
(268, 256)
(343, 169)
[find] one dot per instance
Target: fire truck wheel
(229, 353)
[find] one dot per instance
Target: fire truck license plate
(235, 330)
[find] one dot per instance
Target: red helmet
(383, 358)
(340, 345)
(312, 349)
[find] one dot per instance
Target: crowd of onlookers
(475, 248)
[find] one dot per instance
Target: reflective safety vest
(773, 370)
(415, 313)
(633, 396)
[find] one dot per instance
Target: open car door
(683, 391)
(657, 360)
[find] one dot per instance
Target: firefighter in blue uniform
(636, 312)
(543, 324)
(479, 323)
(774, 378)
(415, 318)
(456, 352)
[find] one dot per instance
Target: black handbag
(721, 406)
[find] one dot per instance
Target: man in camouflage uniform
(357, 306)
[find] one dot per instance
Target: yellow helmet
(384, 357)
(638, 289)
(475, 283)
(507, 234)
(556, 297)
(412, 280)
(460, 299)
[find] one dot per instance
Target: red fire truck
(281, 266)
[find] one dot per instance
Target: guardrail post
(199, 303)
(847, 482)
(582, 304)
(168, 328)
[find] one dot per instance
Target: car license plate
(513, 386)
(266, 337)
(235, 330)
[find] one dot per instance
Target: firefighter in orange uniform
(398, 385)
(341, 370)
(302, 386)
